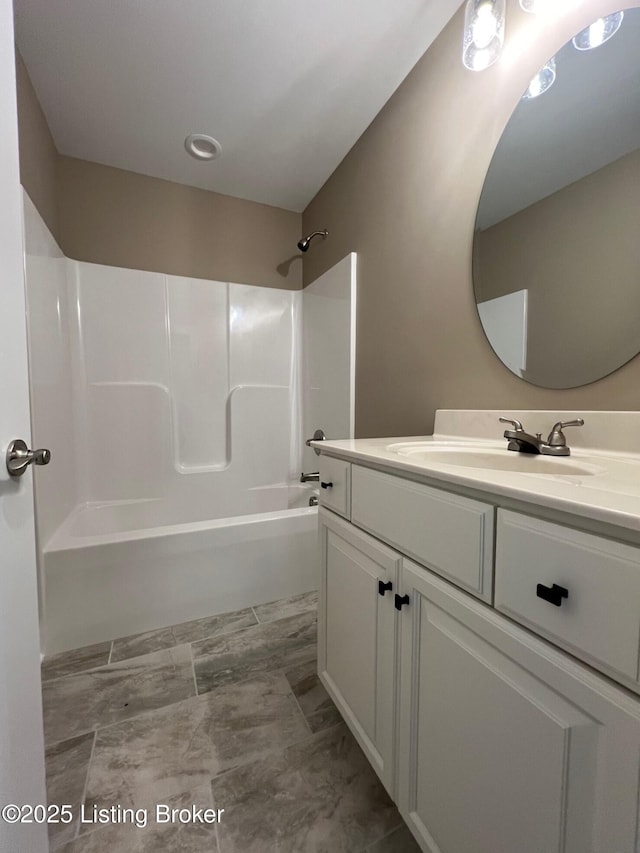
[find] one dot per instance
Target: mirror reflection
(556, 255)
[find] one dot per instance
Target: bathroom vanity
(479, 630)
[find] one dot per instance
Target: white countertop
(610, 495)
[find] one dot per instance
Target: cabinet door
(506, 744)
(357, 644)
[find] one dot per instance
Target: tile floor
(223, 713)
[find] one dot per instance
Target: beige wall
(577, 254)
(109, 216)
(38, 155)
(405, 200)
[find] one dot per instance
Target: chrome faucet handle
(515, 424)
(557, 437)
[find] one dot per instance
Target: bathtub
(116, 569)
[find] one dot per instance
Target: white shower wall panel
(328, 312)
(185, 389)
(261, 324)
(128, 440)
(53, 426)
(197, 316)
(122, 325)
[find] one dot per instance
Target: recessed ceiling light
(202, 147)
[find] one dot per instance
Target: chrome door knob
(19, 457)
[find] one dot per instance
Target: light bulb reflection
(542, 82)
(598, 32)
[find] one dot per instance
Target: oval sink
(496, 460)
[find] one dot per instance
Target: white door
(21, 738)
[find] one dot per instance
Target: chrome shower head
(303, 245)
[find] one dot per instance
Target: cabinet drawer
(599, 620)
(335, 485)
(449, 534)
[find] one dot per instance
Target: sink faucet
(523, 442)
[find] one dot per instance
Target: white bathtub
(108, 572)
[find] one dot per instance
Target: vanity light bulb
(483, 33)
(599, 32)
(544, 80)
(485, 27)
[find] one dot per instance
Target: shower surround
(174, 409)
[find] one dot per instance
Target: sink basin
(493, 459)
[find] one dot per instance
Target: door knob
(19, 457)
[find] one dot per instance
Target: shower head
(303, 245)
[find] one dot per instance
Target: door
(507, 744)
(357, 642)
(21, 738)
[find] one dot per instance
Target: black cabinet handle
(553, 594)
(400, 601)
(327, 485)
(383, 587)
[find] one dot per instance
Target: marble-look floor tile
(77, 660)
(67, 764)
(235, 657)
(324, 719)
(319, 796)
(286, 607)
(156, 837)
(186, 632)
(185, 745)
(99, 697)
(399, 841)
(137, 645)
(315, 703)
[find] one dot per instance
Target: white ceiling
(286, 86)
(589, 118)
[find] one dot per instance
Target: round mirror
(556, 253)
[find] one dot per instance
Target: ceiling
(587, 119)
(286, 86)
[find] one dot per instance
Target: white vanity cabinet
(489, 738)
(357, 636)
(505, 743)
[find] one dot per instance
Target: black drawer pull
(327, 485)
(383, 587)
(400, 601)
(553, 594)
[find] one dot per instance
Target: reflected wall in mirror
(556, 254)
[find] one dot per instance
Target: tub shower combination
(175, 410)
